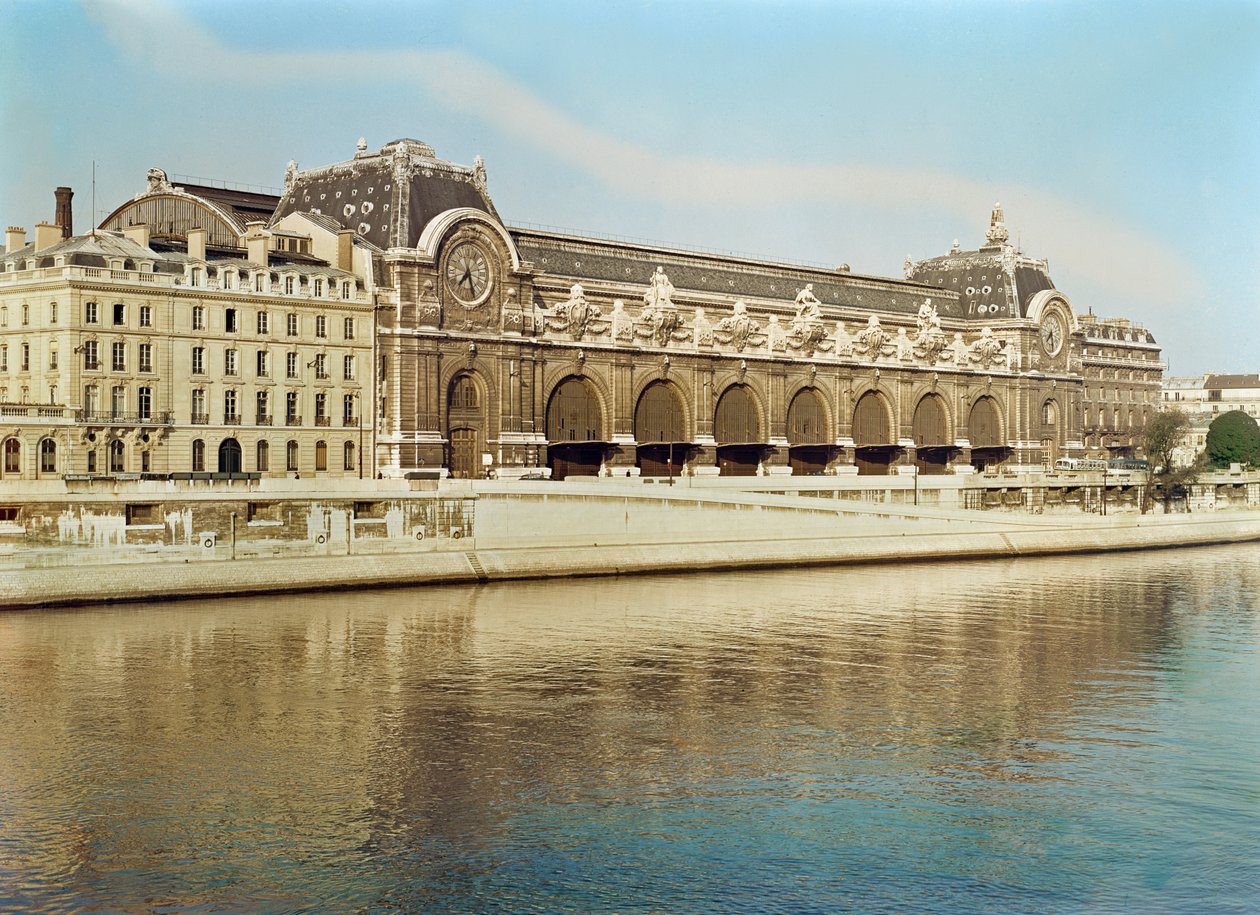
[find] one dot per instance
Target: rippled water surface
(1044, 735)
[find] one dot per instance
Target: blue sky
(1121, 138)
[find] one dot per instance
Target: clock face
(468, 274)
(1052, 335)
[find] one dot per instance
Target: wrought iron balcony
(200, 419)
(158, 418)
(231, 419)
(293, 420)
(262, 419)
(323, 421)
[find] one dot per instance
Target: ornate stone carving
(702, 329)
(909, 266)
(576, 315)
(872, 339)
(479, 173)
(737, 330)
(428, 309)
(290, 175)
(986, 349)
(807, 331)
(997, 234)
(621, 322)
(660, 317)
(904, 347)
(929, 340)
(776, 337)
(841, 341)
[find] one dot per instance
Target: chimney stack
(139, 233)
(47, 234)
(345, 250)
(256, 243)
(197, 244)
(65, 212)
(14, 239)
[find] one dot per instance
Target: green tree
(1233, 438)
(1168, 482)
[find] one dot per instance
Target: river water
(1044, 735)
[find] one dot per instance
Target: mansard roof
(581, 259)
(387, 196)
(94, 249)
(995, 280)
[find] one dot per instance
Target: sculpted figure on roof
(987, 348)
(660, 292)
(290, 175)
(736, 329)
(807, 330)
(158, 182)
(872, 337)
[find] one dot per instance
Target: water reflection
(1047, 734)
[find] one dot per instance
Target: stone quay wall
(71, 544)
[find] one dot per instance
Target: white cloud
(1100, 249)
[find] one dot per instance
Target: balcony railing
(323, 421)
(262, 419)
(293, 420)
(200, 419)
(231, 419)
(159, 418)
(350, 421)
(34, 411)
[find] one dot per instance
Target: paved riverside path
(532, 530)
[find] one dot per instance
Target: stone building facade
(512, 352)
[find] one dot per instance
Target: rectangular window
(146, 315)
(319, 287)
(229, 362)
(118, 402)
(291, 417)
(321, 366)
(120, 314)
(144, 514)
(229, 408)
(26, 357)
(145, 357)
(321, 409)
(345, 290)
(264, 363)
(52, 358)
(4, 357)
(144, 403)
(349, 328)
(292, 325)
(348, 368)
(227, 279)
(91, 357)
(199, 406)
(263, 408)
(291, 457)
(91, 461)
(347, 410)
(52, 313)
(229, 320)
(90, 313)
(91, 399)
(199, 317)
(288, 285)
(291, 365)
(198, 360)
(258, 282)
(119, 360)
(321, 326)
(264, 323)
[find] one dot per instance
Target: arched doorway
(931, 435)
(659, 430)
(465, 427)
(229, 456)
(984, 429)
(807, 434)
(575, 445)
(737, 430)
(873, 434)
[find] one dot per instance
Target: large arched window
(229, 456)
(48, 456)
(263, 459)
(463, 394)
(291, 457)
(806, 420)
(573, 414)
(658, 417)
(872, 424)
(931, 427)
(321, 455)
(735, 422)
(117, 456)
(984, 426)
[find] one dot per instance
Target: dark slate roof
(990, 282)
(90, 250)
(388, 196)
(1222, 382)
(578, 259)
(246, 206)
(1118, 329)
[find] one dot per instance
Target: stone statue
(660, 293)
(158, 183)
(807, 329)
(290, 175)
(909, 265)
(479, 172)
(807, 304)
(930, 339)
